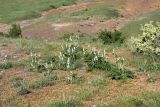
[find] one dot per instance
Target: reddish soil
(136, 7)
(10, 53)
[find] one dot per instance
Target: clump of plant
(21, 86)
(70, 54)
(6, 65)
(70, 58)
(47, 80)
(15, 31)
(38, 64)
(148, 42)
(96, 60)
(23, 89)
(109, 37)
(119, 72)
(74, 79)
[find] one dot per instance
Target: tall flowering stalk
(120, 61)
(69, 54)
(35, 60)
(96, 60)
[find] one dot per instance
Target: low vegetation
(109, 37)
(6, 65)
(146, 100)
(15, 31)
(65, 103)
(149, 40)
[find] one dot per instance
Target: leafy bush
(95, 61)
(15, 31)
(118, 71)
(109, 37)
(38, 64)
(70, 54)
(23, 89)
(117, 74)
(148, 41)
(35, 64)
(6, 65)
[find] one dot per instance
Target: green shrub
(38, 64)
(23, 89)
(15, 31)
(148, 41)
(6, 65)
(94, 61)
(117, 74)
(98, 61)
(109, 37)
(71, 53)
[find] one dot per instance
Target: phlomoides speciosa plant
(38, 65)
(70, 54)
(120, 61)
(96, 60)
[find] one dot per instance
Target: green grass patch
(100, 10)
(64, 103)
(132, 29)
(24, 9)
(30, 45)
(103, 11)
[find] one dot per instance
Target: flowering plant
(148, 41)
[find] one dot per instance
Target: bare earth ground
(113, 89)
